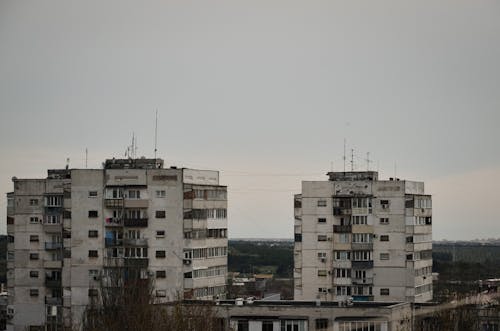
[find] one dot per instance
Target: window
(34, 256)
(267, 326)
(53, 201)
(322, 255)
(34, 220)
(33, 202)
(384, 220)
(298, 237)
(344, 238)
(93, 292)
(160, 214)
(384, 204)
(93, 213)
(321, 203)
(342, 273)
(93, 253)
(360, 220)
(322, 220)
(384, 256)
(321, 273)
(322, 290)
(384, 291)
(361, 237)
(93, 233)
(161, 293)
(322, 237)
(92, 194)
(34, 274)
(33, 292)
(409, 257)
(160, 254)
(342, 255)
(93, 274)
(161, 194)
(160, 234)
(161, 274)
(384, 237)
(343, 290)
(53, 219)
(34, 238)
(321, 323)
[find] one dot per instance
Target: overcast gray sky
(266, 92)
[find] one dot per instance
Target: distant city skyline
(266, 92)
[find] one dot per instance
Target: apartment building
(363, 238)
(70, 231)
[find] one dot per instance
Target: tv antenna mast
(156, 132)
(344, 154)
(352, 159)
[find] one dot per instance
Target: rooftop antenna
(86, 157)
(344, 154)
(395, 168)
(368, 161)
(352, 159)
(67, 163)
(156, 132)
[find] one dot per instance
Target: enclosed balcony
(53, 245)
(53, 282)
(135, 222)
(359, 281)
(53, 301)
(362, 264)
(362, 246)
(342, 228)
(114, 203)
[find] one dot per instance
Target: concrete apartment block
(360, 237)
(70, 231)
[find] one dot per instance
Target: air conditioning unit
(187, 261)
(323, 259)
(329, 238)
(10, 312)
(330, 272)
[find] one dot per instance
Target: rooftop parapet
(353, 175)
(141, 163)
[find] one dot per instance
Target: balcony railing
(110, 242)
(113, 203)
(362, 246)
(337, 211)
(136, 222)
(357, 281)
(356, 297)
(52, 282)
(114, 221)
(53, 245)
(135, 242)
(136, 262)
(342, 228)
(362, 264)
(53, 301)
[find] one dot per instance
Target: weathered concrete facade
(360, 237)
(70, 230)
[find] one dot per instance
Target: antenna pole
(352, 159)
(344, 154)
(86, 157)
(368, 161)
(156, 132)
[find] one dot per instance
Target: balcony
(362, 298)
(135, 242)
(52, 282)
(53, 301)
(136, 203)
(362, 264)
(362, 246)
(110, 242)
(53, 245)
(52, 264)
(360, 281)
(136, 222)
(136, 262)
(341, 211)
(342, 228)
(113, 203)
(113, 221)
(52, 228)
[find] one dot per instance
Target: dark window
(321, 203)
(93, 292)
(67, 214)
(34, 274)
(33, 292)
(34, 238)
(93, 233)
(160, 233)
(409, 257)
(321, 220)
(33, 256)
(384, 237)
(161, 274)
(322, 237)
(93, 213)
(92, 194)
(93, 253)
(409, 239)
(267, 326)
(242, 325)
(160, 214)
(298, 237)
(160, 254)
(384, 291)
(321, 323)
